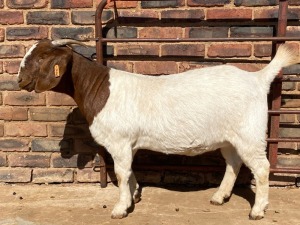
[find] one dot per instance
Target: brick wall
(43, 137)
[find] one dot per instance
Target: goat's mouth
(28, 86)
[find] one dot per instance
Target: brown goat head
(43, 66)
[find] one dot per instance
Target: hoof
(118, 216)
(217, 199)
(137, 200)
(258, 217)
(216, 202)
(119, 212)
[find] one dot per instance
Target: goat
(189, 113)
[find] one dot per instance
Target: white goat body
(188, 113)
(191, 113)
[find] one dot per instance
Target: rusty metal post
(277, 87)
(98, 31)
(99, 54)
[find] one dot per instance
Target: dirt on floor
(88, 204)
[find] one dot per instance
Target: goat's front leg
(122, 162)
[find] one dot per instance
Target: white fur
(190, 113)
(23, 62)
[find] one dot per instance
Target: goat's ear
(52, 69)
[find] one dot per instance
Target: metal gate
(275, 96)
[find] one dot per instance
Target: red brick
(288, 86)
(161, 32)
(25, 129)
(71, 4)
(206, 32)
(1, 34)
(81, 161)
(126, 66)
(183, 14)
(51, 145)
(11, 17)
(291, 103)
(41, 176)
(88, 17)
(79, 33)
(58, 99)
(183, 49)
(262, 50)
(13, 113)
(12, 66)
(1, 67)
(162, 4)
(138, 49)
(294, 2)
(14, 145)
(26, 33)
(15, 175)
(12, 51)
(255, 2)
(287, 118)
(185, 66)
(121, 4)
(60, 129)
(223, 14)
(48, 17)
(23, 98)
(156, 68)
(87, 175)
(29, 160)
(25, 4)
(207, 3)
(1, 130)
(262, 13)
(251, 67)
(8, 83)
(3, 160)
(141, 13)
(293, 31)
(229, 50)
(49, 114)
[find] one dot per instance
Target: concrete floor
(87, 204)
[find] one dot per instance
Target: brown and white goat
(188, 113)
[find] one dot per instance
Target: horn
(62, 42)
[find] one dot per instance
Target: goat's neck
(91, 86)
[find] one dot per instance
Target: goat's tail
(285, 56)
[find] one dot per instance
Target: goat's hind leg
(256, 160)
(233, 165)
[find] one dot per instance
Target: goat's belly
(188, 149)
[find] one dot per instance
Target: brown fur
(84, 80)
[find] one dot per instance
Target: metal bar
(99, 54)
(98, 31)
(136, 0)
(274, 39)
(293, 170)
(272, 112)
(288, 79)
(276, 140)
(277, 87)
